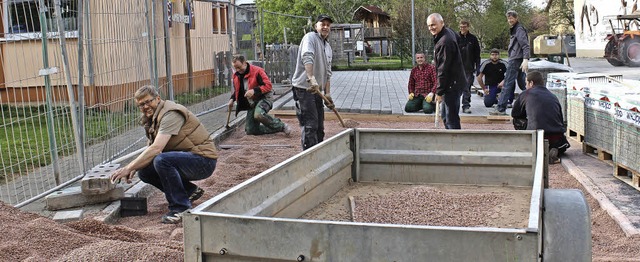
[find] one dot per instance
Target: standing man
(541, 110)
(252, 90)
(422, 87)
(451, 79)
(313, 71)
(470, 51)
(180, 151)
(493, 71)
(518, 62)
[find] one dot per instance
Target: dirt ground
(29, 237)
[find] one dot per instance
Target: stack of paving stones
(96, 187)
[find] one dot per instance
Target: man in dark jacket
(448, 62)
(470, 51)
(542, 110)
(252, 91)
(518, 62)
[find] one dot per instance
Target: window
(23, 16)
(219, 13)
(215, 24)
(223, 19)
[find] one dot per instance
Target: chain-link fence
(67, 102)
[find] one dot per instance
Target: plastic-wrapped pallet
(577, 89)
(599, 114)
(627, 135)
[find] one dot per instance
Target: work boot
(197, 194)
(553, 156)
(286, 130)
(172, 217)
(498, 113)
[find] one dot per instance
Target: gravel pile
(424, 205)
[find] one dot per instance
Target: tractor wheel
(611, 54)
(566, 226)
(631, 51)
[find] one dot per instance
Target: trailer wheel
(611, 56)
(566, 226)
(631, 51)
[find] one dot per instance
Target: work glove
(329, 102)
(525, 65)
(429, 98)
(411, 95)
(314, 88)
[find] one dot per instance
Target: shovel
(437, 116)
(228, 116)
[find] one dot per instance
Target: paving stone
(68, 216)
(73, 197)
(97, 180)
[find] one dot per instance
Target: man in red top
(252, 91)
(422, 87)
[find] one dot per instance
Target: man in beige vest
(179, 152)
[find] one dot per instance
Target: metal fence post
(150, 36)
(167, 49)
(46, 71)
(72, 103)
(81, 104)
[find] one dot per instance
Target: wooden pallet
(602, 154)
(628, 175)
(575, 135)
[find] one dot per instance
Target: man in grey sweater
(313, 71)
(518, 62)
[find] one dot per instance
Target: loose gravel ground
(29, 237)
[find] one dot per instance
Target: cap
(324, 17)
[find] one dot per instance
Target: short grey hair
(146, 90)
(512, 13)
(437, 16)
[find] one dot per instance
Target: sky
(538, 3)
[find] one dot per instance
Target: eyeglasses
(146, 102)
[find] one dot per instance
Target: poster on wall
(592, 21)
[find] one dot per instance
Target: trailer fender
(566, 227)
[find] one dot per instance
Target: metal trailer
(259, 219)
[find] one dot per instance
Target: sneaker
(498, 113)
(286, 130)
(466, 110)
(553, 156)
(172, 217)
(197, 194)
(509, 105)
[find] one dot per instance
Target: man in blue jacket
(448, 62)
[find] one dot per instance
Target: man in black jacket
(451, 79)
(541, 110)
(470, 51)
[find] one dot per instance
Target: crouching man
(179, 152)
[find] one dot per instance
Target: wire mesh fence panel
(67, 102)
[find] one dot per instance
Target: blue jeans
(451, 109)
(513, 75)
(172, 173)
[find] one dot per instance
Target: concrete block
(97, 180)
(73, 197)
(68, 216)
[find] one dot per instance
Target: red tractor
(623, 46)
